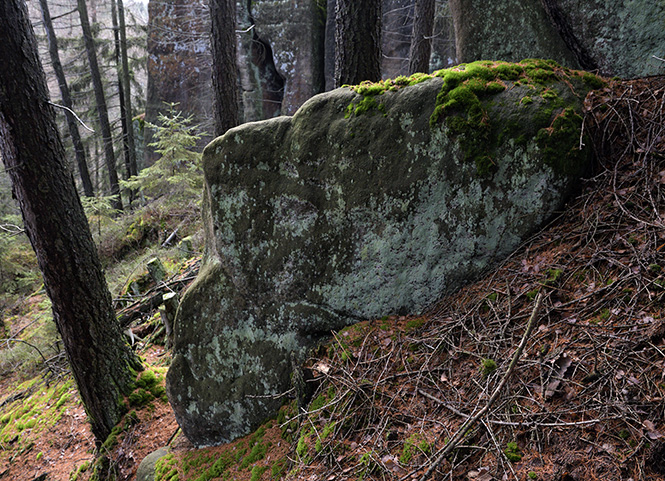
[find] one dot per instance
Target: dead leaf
(321, 367)
(559, 368)
(652, 432)
(482, 474)
(390, 462)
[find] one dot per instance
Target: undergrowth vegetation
(37, 388)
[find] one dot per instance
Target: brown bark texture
(224, 70)
(100, 101)
(421, 43)
(357, 41)
(56, 225)
(72, 125)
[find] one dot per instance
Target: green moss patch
(246, 455)
(465, 107)
(560, 142)
(415, 445)
(148, 387)
(166, 469)
(369, 91)
(32, 408)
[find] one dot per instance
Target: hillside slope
(584, 399)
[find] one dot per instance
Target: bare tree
(100, 101)
(66, 100)
(56, 225)
(357, 41)
(124, 92)
(224, 70)
(421, 41)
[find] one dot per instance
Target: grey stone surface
(620, 37)
(354, 208)
(509, 30)
(615, 38)
(146, 470)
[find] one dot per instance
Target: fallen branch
(461, 432)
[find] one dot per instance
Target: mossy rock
(333, 216)
(146, 470)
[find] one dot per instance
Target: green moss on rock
(465, 106)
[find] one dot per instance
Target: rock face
(296, 40)
(178, 64)
(619, 38)
(367, 202)
(285, 54)
(509, 30)
(615, 38)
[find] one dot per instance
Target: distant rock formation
(614, 38)
(369, 201)
(178, 65)
(286, 50)
(285, 53)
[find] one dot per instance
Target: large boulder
(369, 201)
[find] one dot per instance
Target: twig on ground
(461, 432)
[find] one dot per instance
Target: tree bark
(357, 41)
(66, 101)
(127, 88)
(125, 123)
(56, 225)
(224, 70)
(100, 100)
(421, 42)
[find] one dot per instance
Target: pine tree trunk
(100, 100)
(124, 74)
(421, 42)
(224, 69)
(66, 101)
(121, 96)
(357, 41)
(56, 225)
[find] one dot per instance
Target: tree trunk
(66, 101)
(126, 85)
(224, 70)
(421, 41)
(56, 225)
(124, 122)
(357, 41)
(100, 100)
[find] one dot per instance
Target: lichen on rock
(316, 221)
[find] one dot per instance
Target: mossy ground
(37, 407)
(260, 456)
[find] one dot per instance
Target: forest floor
(580, 396)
